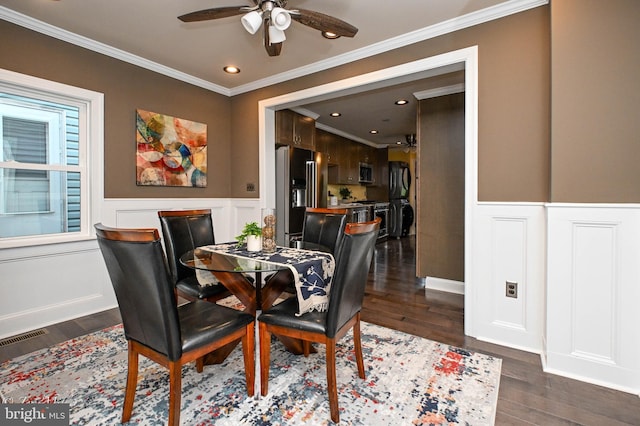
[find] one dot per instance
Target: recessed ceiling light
(330, 35)
(230, 69)
(335, 114)
(402, 102)
(398, 142)
(373, 132)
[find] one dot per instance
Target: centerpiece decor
(251, 235)
(268, 230)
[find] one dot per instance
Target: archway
(466, 59)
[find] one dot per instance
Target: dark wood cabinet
(343, 157)
(295, 129)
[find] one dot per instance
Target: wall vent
(22, 337)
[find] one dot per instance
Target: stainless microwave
(366, 173)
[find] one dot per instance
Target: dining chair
(345, 302)
(184, 230)
(154, 325)
(323, 228)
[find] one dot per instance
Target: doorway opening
(466, 59)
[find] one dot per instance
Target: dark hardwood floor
(396, 299)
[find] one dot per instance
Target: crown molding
(439, 91)
(347, 135)
(455, 24)
(306, 112)
(87, 43)
(475, 18)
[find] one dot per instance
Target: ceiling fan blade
(215, 13)
(323, 22)
(273, 49)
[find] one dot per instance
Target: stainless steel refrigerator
(400, 210)
(296, 189)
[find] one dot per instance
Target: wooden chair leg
(132, 381)
(331, 380)
(265, 358)
(306, 347)
(248, 352)
(200, 364)
(357, 346)
(175, 389)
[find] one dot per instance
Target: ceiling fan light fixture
(280, 18)
(274, 18)
(252, 21)
(276, 35)
(330, 35)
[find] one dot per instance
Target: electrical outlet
(511, 289)
(251, 187)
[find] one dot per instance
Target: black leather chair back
(136, 265)
(183, 231)
(350, 277)
(324, 228)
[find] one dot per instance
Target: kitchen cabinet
(366, 153)
(327, 145)
(295, 130)
(345, 170)
(343, 158)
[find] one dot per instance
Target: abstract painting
(170, 151)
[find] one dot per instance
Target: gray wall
(571, 141)
(513, 103)
(440, 236)
(595, 92)
(126, 88)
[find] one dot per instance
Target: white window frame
(13, 109)
(91, 143)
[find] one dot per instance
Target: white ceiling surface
(148, 33)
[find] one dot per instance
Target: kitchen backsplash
(358, 192)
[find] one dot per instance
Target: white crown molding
(446, 27)
(439, 91)
(456, 24)
(64, 35)
(346, 135)
(306, 112)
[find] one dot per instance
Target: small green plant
(345, 193)
(251, 228)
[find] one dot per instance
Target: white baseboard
(443, 284)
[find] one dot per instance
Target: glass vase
(268, 230)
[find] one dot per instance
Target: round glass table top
(207, 260)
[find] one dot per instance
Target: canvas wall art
(170, 151)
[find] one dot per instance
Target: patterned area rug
(410, 381)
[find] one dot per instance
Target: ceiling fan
(410, 142)
(276, 18)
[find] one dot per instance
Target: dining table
(308, 265)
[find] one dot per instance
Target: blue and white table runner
(312, 271)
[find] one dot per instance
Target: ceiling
(148, 33)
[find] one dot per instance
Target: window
(50, 154)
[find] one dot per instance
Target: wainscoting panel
(39, 289)
(43, 285)
(509, 247)
(593, 294)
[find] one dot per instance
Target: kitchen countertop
(346, 206)
(356, 204)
